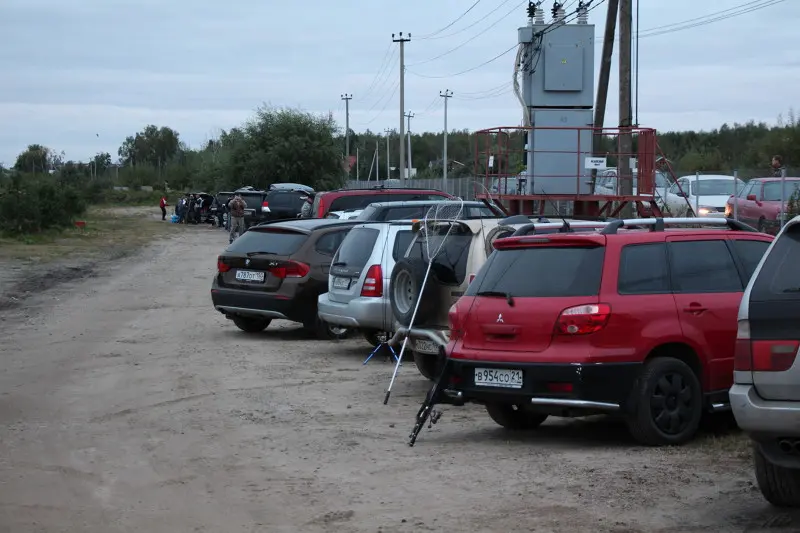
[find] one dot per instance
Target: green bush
(32, 205)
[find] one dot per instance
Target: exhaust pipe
(796, 446)
(786, 446)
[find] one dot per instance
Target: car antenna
(566, 228)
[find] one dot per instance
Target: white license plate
(494, 377)
(249, 275)
(423, 346)
(341, 283)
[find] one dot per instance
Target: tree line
(288, 145)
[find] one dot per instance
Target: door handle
(695, 308)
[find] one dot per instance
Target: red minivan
(640, 322)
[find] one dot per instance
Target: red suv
(638, 318)
(354, 199)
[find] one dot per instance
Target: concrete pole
(402, 40)
(447, 94)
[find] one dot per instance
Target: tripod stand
(377, 348)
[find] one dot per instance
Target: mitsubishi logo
(500, 318)
(246, 262)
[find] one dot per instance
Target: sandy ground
(128, 404)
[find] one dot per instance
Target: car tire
(665, 391)
(377, 337)
(514, 417)
(404, 291)
(780, 486)
(429, 365)
(495, 233)
(251, 324)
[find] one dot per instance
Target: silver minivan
(765, 397)
(358, 284)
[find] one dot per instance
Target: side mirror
(416, 226)
(682, 194)
(751, 197)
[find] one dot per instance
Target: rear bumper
(759, 416)
(438, 337)
(359, 313)
(246, 303)
(602, 387)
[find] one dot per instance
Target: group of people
(189, 208)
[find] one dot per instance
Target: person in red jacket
(163, 204)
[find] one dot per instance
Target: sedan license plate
(423, 346)
(341, 283)
(249, 275)
(494, 377)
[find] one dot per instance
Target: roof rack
(529, 229)
(658, 224)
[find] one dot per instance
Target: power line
(385, 105)
(495, 58)
(380, 81)
(465, 28)
(385, 62)
(424, 37)
(715, 17)
(495, 23)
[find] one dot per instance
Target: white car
(606, 184)
(706, 194)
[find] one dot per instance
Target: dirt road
(128, 404)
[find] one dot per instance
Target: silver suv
(358, 284)
(765, 397)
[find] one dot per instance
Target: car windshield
(772, 190)
(273, 241)
(542, 272)
(713, 187)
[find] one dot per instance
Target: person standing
(163, 205)
(777, 166)
(236, 209)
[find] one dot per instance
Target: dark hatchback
(277, 271)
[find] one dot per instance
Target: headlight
(704, 211)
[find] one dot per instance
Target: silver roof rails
(658, 224)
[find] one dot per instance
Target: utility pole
(347, 97)
(402, 40)
(447, 94)
(377, 161)
(605, 69)
(409, 116)
(388, 132)
(625, 140)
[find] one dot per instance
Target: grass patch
(106, 229)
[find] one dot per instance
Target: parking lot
(128, 404)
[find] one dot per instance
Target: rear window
(401, 243)
(272, 241)
(253, 201)
(360, 201)
(778, 278)
(285, 200)
(542, 272)
(355, 250)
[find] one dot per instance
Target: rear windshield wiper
(506, 295)
(340, 264)
(251, 254)
(791, 289)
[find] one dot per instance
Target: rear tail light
(583, 319)
(373, 284)
(742, 354)
(559, 387)
(455, 323)
(290, 269)
(762, 356)
(265, 206)
(221, 265)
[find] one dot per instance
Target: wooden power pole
(605, 69)
(625, 176)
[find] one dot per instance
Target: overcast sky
(81, 75)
